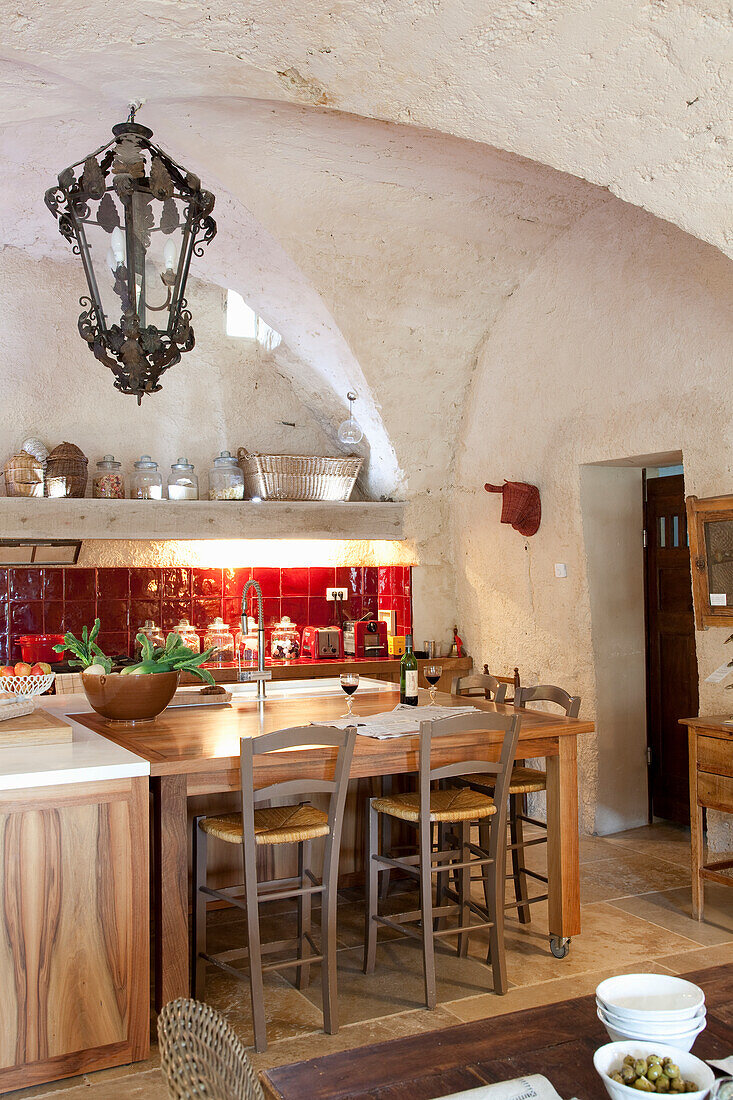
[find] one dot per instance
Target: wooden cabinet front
(710, 526)
(74, 931)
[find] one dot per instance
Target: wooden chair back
(548, 693)
(201, 1056)
(480, 684)
(512, 681)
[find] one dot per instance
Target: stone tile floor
(636, 915)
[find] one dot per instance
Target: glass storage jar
(218, 634)
(188, 634)
(108, 483)
(226, 480)
(285, 641)
(152, 632)
(182, 481)
(146, 482)
(248, 644)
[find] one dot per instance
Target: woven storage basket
(23, 476)
(298, 477)
(66, 471)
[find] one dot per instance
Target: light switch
(561, 569)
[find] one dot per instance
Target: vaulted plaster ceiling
(383, 250)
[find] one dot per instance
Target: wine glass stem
(349, 704)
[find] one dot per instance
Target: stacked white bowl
(651, 1007)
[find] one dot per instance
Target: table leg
(170, 888)
(696, 831)
(563, 859)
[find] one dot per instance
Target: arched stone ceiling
(633, 96)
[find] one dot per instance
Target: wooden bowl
(130, 699)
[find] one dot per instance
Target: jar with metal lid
(182, 481)
(285, 640)
(188, 634)
(108, 483)
(247, 645)
(219, 635)
(226, 480)
(152, 632)
(146, 482)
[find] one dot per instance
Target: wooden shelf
(22, 518)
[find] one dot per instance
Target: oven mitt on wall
(520, 505)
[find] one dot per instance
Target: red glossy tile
(113, 615)
(232, 613)
(386, 603)
(113, 584)
(26, 584)
(354, 607)
(407, 581)
(26, 617)
(3, 616)
(234, 581)
(320, 577)
(294, 581)
(204, 611)
(206, 583)
(268, 580)
(369, 604)
(53, 584)
(176, 584)
(53, 617)
(270, 609)
(114, 643)
(145, 584)
(350, 578)
(3, 582)
(296, 608)
(80, 584)
(320, 612)
(172, 611)
(79, 614)
(140, 611)
(384, 581)
(370, 580)
(4, 646)
(397, 582)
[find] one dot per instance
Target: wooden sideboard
(711, 788)
(74, 929)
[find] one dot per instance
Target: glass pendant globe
(350, 433)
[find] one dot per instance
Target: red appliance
(366, 638)
(39, 647)
(323, 641)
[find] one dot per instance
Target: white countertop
(90, 757)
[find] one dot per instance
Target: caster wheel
(559, 946)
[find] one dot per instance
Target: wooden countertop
(305, 667)
(714, 722)
(184, 741)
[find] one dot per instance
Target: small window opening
(244, 323)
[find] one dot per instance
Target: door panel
(672, 685)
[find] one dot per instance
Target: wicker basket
(23, 476)
(298, 477)
(66, 471)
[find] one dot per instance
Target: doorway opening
(643, 637)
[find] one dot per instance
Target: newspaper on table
(533, 1087)
(400, 722)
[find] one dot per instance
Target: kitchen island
(193, 755)
(74, 936)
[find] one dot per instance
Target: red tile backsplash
(56, 599)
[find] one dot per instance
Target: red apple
(22, 669)
(40, 669)
(7, 670)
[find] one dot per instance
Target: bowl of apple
(27, 680)
(140, 692)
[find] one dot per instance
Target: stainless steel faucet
(247, 675)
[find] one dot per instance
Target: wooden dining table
(195, 751)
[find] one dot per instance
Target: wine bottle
(408, 675)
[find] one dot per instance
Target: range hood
(39, 551)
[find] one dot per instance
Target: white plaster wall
(617, 344)
(223, 394)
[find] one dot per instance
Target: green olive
(628, 1074)
(662, 1083)
(629, 1060)
(643, 1085)
(690, 1086)
(654, 1071)
(617, 1077)
(640, 1067)
(672, 1070)
(676, 1085)
(654, 1059)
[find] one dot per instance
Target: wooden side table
(711, 788)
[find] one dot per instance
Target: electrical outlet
(337, 595)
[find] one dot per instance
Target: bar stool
(293, 824)
(526, 781)
(458, 806)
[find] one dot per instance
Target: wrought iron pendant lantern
(135, 218)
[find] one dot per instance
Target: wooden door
(671, 659)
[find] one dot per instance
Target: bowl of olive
(633, 1067)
